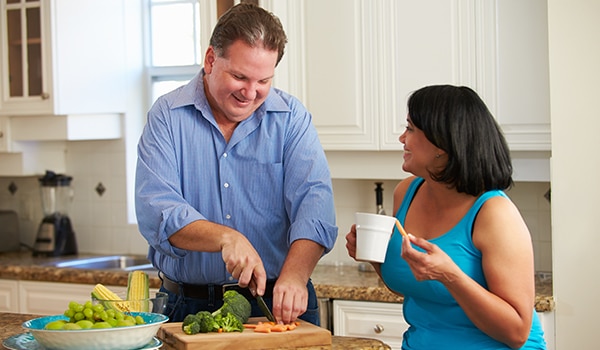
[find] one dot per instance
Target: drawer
(382, 321)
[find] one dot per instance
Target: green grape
(85, 324)
(58, 324)
(101, 325)
(110, 313)
(112, 322)
(70, 325)
(88, 304)
(125, 323)
(139, 320)
(73, 305)
(69, 313)
(79, 316)
(98, 308)
(104, 315)
(119, 315)
(88, 313)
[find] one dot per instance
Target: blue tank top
(435, 318)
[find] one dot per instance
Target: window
(174, 52)
(178, 32)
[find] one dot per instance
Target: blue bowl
(118, 338)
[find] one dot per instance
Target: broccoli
(190, 324)
(230, 317)
(236, 304)
(207, 322)
(229, 323)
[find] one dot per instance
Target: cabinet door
(48, 298)
(353, 63)
(23, 47)
(9, 296)
(382, 321)
(63, 57)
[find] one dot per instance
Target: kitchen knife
(265, 309)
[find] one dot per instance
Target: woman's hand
(433, 264)
(351, 242)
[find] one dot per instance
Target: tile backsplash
(359, 195)
(101, 225)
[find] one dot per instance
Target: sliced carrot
(250, 325)
(279, 328)
(263, 329)
(291, 326)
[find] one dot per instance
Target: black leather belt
(206, 291)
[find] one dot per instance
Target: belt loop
(211, 295)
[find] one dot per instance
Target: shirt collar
(193, 94)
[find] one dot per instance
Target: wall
(100, 221)
(574, 30)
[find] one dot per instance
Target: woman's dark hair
(455, 119)
(251, 24)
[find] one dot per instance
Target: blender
(55, 235)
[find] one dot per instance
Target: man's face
(239, 82)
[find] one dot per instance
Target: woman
(466, 269)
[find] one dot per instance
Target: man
(232, 184)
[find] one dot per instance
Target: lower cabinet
(50, 298)
(366, 319)
(44, 298)
(547, 321)
(9, 296)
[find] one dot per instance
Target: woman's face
(239, 82)
(420, 155)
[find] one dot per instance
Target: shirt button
(227, 216)
(226, 185)
(231, 278)
(225, 155)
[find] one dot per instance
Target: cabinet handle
(45, 95)
(378, 328)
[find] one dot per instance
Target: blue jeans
(179, 306)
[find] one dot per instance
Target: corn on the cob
(100, 292)
(138, 291)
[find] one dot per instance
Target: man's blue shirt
(271, 181)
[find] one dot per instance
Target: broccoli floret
(229, 323)
(190, 324)
(236, 304)
(207, 322)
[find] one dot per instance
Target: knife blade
(265, 309)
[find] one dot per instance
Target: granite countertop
(334, 282)
(10, 324)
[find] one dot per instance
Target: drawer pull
(378, 328)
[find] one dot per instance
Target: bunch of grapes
(89, 315)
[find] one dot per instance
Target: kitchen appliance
(9, 231)
(379, 198)
(55, 235)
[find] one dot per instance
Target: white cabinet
(354, 63)
(49, 298)
(547, 321)
(61, 57)
(365, 319)
(9, 291)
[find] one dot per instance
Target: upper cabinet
(354, 64)
(62, 57)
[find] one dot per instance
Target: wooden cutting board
(304, 335)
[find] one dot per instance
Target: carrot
(279, 328)
(250, 325)
(264, 329)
